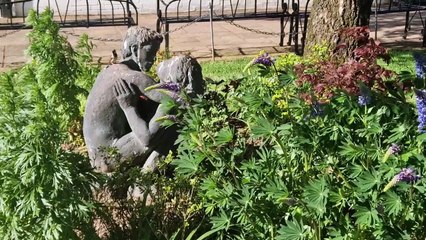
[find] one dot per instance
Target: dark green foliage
(46, 191)
(269, 167)
(255, 160)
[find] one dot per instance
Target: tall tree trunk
(328, 16)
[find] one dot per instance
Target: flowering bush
(320, 150)
(331, 75)
(267, 164)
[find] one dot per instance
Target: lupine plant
(331, 152)
(296, 149)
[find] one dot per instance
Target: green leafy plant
(46, 190)
(271, 165)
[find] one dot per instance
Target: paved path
(230, 41)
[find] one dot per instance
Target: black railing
(292, 13)
(76, 13)
(411, 8)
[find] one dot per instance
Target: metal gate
(70, 13)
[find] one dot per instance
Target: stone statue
(186, 72)
(121, 115)
(118, 113)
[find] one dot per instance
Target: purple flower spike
(365, 98)
(394, 149)
(421, 109)
(316, 109)
(420, 60)
(264, 59)
(407, 175)
(170, 86)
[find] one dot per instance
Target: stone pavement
(230, 41)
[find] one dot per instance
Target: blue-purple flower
(264, 59)
(420, 60)
(316, 109)
(392, 150)
(170, 86)
(421, 109)
(365, 96)
(407, 175)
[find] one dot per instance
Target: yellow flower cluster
(280, 101)
(269, 82)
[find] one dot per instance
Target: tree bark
(328, 16)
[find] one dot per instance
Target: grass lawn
(224, 69)
(401, 61)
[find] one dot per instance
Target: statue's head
(184, 70)
(141, 45)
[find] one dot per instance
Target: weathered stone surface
(120, 117)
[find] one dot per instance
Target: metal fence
(75, 13)
(293, 14)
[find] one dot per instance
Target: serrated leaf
(225, 135)
(316, 195)
(392, 203)
(188, 163)
(367, 180)
(366, 217)
(263, 128)
(292, 231)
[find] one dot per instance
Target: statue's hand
(125, 94)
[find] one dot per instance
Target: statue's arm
(142, 81)
(127, 99)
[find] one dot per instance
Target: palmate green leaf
(392, 203)
(355, 171)
(316, 195)
(367, 180)
(276, 190)
(221, 222)
(398, 133)
(353, 151)
(293, 230)
(224, 136)
(188, 163)
(366, 217)
(252, 100)
(263, 128)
